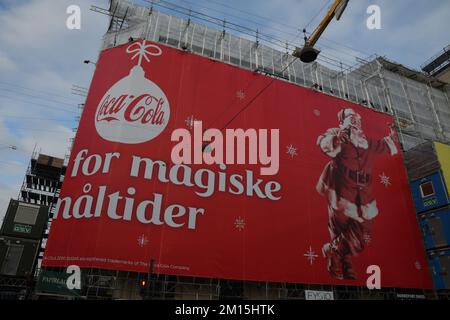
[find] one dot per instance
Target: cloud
(40, 60)
(411, 31)
(6, 64)
(38, 52)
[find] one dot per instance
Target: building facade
(429, 173)
(26, 226)
(419, 103)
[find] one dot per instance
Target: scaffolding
(100, 284)
(419, 103)
(42, 186)
(422, 161)
(438, 63)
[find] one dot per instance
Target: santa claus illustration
(346, 182)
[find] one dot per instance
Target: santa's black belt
(359, 177)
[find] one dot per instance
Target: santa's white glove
(354, 216)
(349, 209)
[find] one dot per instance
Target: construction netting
(421, 105)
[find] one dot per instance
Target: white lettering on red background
(143, 109)
(94, 203)
(134, 109)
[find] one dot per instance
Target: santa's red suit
(346, 182)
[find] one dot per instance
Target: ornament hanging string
(140, 49)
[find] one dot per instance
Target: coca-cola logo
(134, 110)
(142, 109)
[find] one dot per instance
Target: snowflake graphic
(240, 94)
(384, 180)
(239, 223)
(190, 121)
(418, 265)
(310, 255)
(142, 240)
(291, 150)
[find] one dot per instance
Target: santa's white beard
(357, 136)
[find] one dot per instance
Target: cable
(315, 16)
(262, 34)
(36, 104)
(218, 22)
(279, 43)
(39, 91)
(37, 97)
(230, 15)
(255, 97)
(290, 27)
(40, 129)
(34, 118)
(252, 14)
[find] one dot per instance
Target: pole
(149, 276)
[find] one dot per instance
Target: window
(426, 189)
(12, 260)
(26, 214)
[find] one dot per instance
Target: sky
(41, 59)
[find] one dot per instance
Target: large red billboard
(336, 201)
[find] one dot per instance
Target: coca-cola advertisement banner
(211, 170)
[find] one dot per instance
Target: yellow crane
(308, 53)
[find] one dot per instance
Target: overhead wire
(33, 118)
(317, 14)
(269, 39)
(36, 97)
(34, 103)
(323, 38)
(250, 14)
(219, 22)
(284, 25)
(256, 96)
(216, 21)
(2, 82)
(228, 15)
(38, 129)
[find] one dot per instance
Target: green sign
(22, 228)
(55, 283)
(430, 202)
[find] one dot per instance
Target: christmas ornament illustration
(134, 110)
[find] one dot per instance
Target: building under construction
(429, 173)
(419, 103)
(26, 226)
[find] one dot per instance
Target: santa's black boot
(349, 272)
(334, 261)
